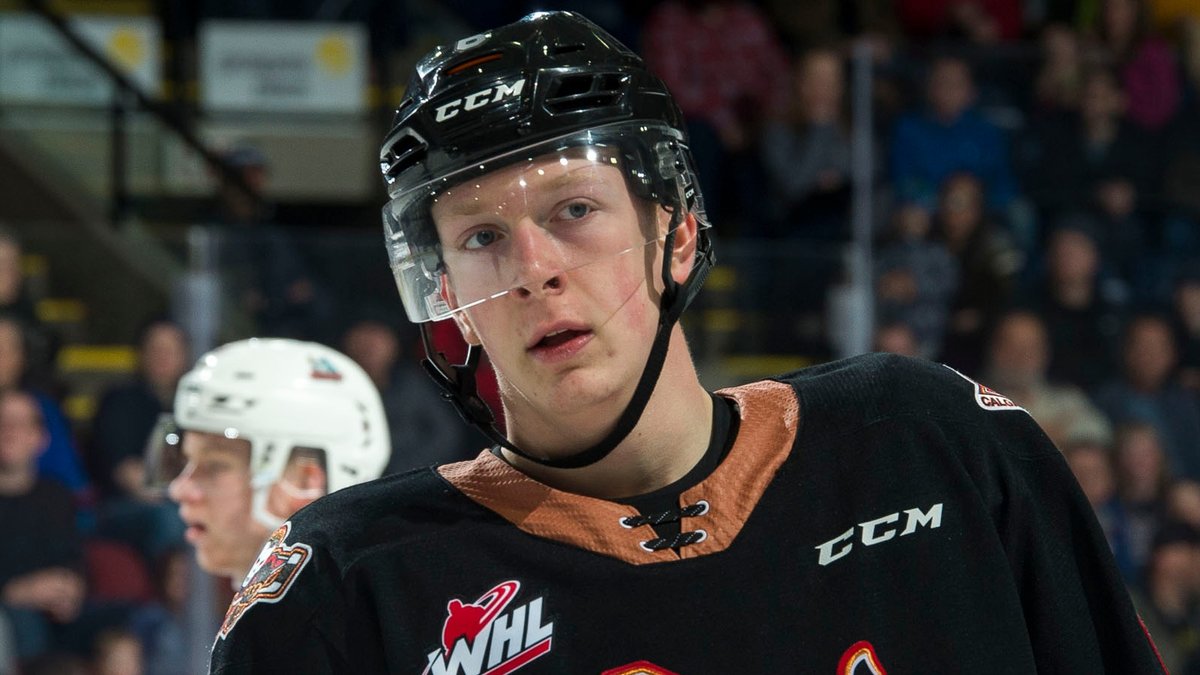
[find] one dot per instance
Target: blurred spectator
(1017, 363)
(896, 338)
(982, 22)
(128, 412)
(41, 562)
(160, 625)
(1169, 602)
(261, 260)
(1149, 72)
(131, 512)
(16, 301)
(1148, 393)
(425, 429)
(1183, 502)
(1187, 323)
(1083, 323)
(117, 652)
(60, 461)
(948, 137)
(915, 279)
(14, 298)
(1060, 79)
(1142, 479)
(987, 266)
(1094, 160)
(1092, 465)
(807, 155)
(728, 72)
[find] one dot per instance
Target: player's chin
(591, 390)
(210, 559)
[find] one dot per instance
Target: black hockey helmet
(550, 83)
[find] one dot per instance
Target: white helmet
(280, 394)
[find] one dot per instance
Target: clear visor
(518, 221)
(164, 456)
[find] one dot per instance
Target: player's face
(215, 497)
(578, 330)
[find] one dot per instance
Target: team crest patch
(639, 668)
(482, 638)
(273, 573)
(860, 659)
(988, 398)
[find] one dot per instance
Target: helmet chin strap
(457, 381)
(259, 510)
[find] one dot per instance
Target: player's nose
(539, 259)
(183, 487)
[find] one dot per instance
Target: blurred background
(1010, 187)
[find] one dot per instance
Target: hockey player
(263, 427)
(868, 516)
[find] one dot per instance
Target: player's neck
(671, 436)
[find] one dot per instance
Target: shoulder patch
(987, 398)
(273, 573)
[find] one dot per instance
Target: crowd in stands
(1038, 228)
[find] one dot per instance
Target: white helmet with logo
(281, 394)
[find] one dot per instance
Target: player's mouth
(195, 532)
(560, 342)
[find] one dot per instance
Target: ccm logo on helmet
(479, 99)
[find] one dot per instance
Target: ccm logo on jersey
(878, 531)
(480, 637)
(987, 398)
(485, 96)
(269, 579)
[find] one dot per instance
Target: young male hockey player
(263, 427)
(869, 516)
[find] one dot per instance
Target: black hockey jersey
(876, 515)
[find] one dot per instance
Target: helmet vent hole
(406, 151)
(579, 93)
(559, 50)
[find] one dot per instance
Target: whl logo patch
(269, 579)
(987, 398)
(481, 638)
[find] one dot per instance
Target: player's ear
(304, 480)
(683, 253)
(311, 478)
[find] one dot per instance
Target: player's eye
(481, 239)
(575, 211)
